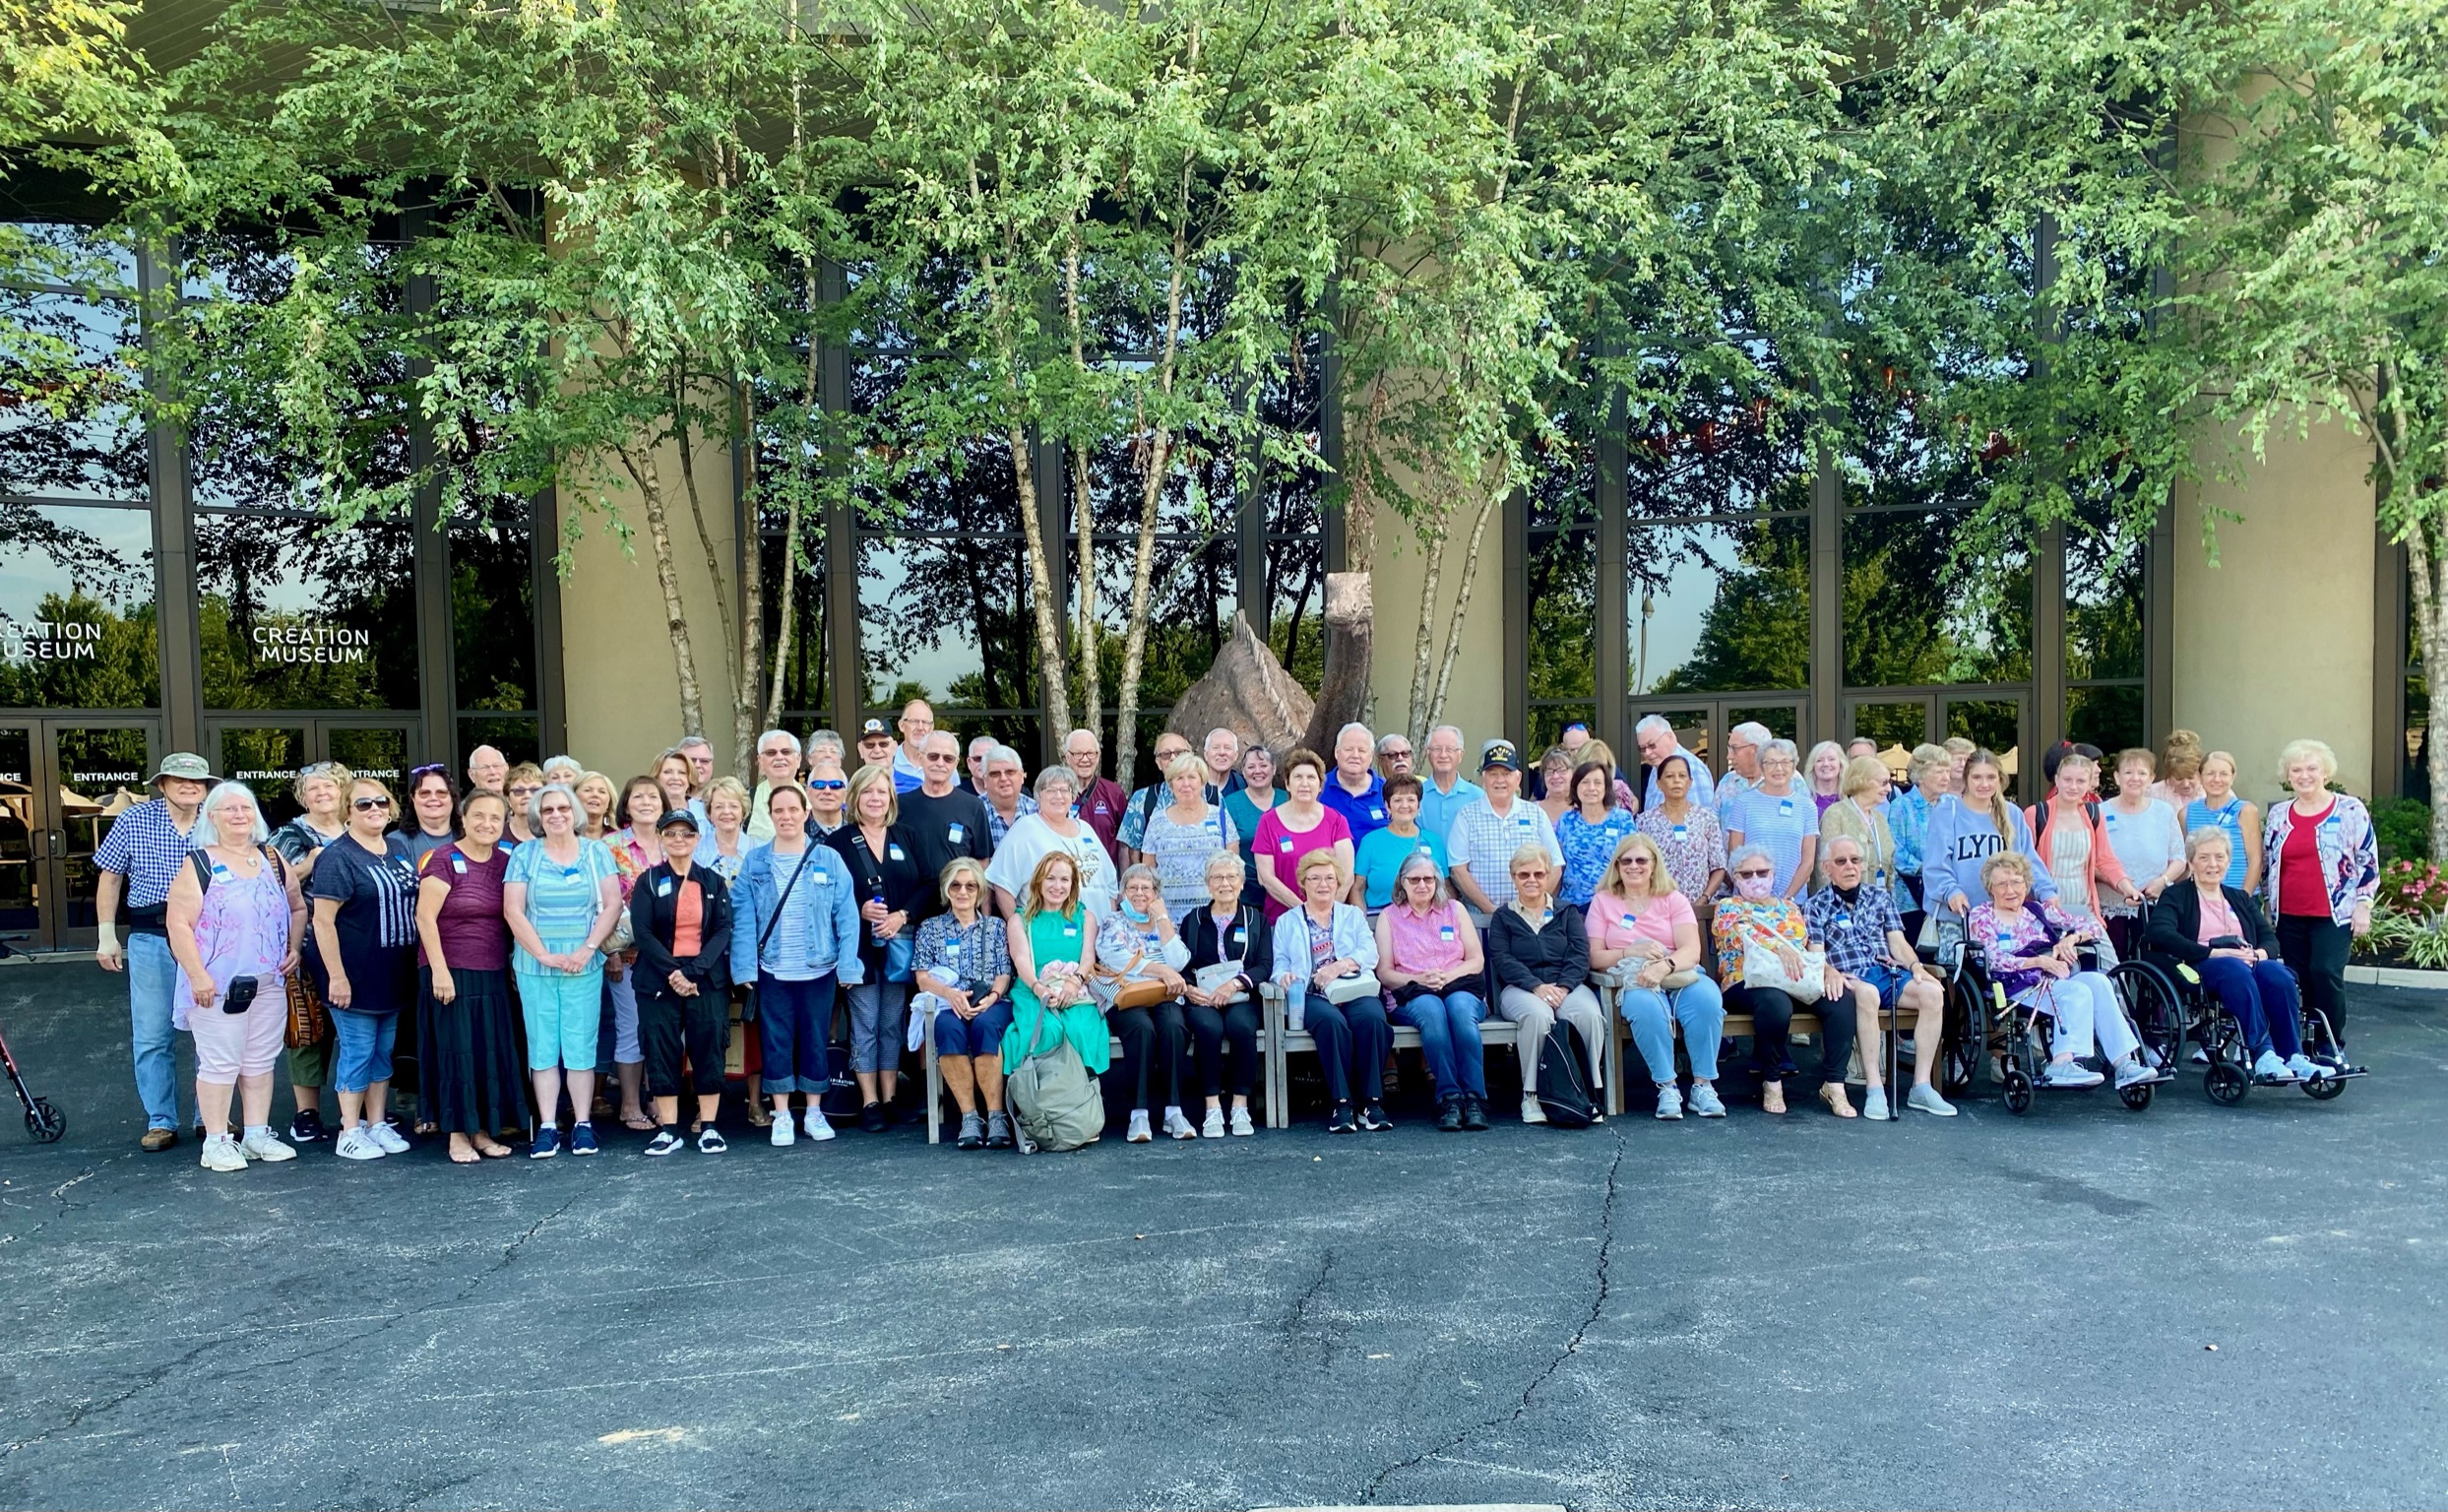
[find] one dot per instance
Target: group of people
(556, 946)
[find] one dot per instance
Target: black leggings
(2314, 949)
(1772, 1028)
(667, 1024)
(1209, 1028)
(1153, 1041)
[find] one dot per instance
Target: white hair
(1780, 746)
(204, 832)
(1365, 733)
(998, 755)
(1649, 724)
(1454, 730)
(689, 741)
(974, 741)
(781, 734)
(571, 763)
(1752, 730)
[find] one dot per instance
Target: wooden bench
(1282, 1041)
(1738, 1026)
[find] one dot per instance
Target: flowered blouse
(1741, 920)
(2032, 930)
(1588, 848)
(1694, 846)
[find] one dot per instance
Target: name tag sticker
(893, 851)
(954, 833)
(1784, 807)
(1445, 932)
(1071, 931)
(1376, 813)
(459, 864)
(1284, 846)
(1844, 921)
(1523, 820)
(1425, 851)
(952, 948)
(663, 889)
(1681, 831)
(822, 879)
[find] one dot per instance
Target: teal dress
(1052, 938)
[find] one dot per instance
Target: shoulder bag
(1057, 1105)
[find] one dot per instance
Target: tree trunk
(1041, 588)
(1084, 508)
(2428, 573)
(745, 703)
(1490, 493)
(790, 524)
(1424, 640)
(1351, 639)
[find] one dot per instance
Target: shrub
(2402, 827)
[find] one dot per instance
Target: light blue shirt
(1437, 810)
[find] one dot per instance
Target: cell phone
(240, 995)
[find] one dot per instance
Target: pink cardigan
(2103, 863)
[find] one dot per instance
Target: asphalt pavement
(2192, 1307)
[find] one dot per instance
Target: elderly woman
(2321, 865)
(2070, 834)
(1556, 784)
(364, 899)
(564, 769)
(1296, 828)
(795, 938)
(433, 806)
(597, 805)
(2034, 951)
(1590, 831)
(2219, 806)
(1779, 817)
(964, 969)
(1181, 835)
(1140, 956)
(1325, 959)
(1249, 803)
(726, 845)
(1539, 954)
(1854, 920)
(1052, 939)
(1860, 816)
(234, 918)
(1686, 834)
(560, 898)
(1230, 950)
(321, 791)
(1825, 773)
(681, 916)
(1908, 820)
(2179, 771)
(1644, 935)
(1052, 828)
(1755, 918)
(2149, 841)
(889, 875)
(2218, 929)
(1384, 852)
(637, 847)
(1428, 957)
(462, 957)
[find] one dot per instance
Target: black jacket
(654, 907)
(898, 876)
(1255, 939)
(2176, 922)
(1558, 956)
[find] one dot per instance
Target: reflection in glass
(266, 760)
(77, 615)
(1907, 624)
(379, 751)
(70, 394)
(2102, 605)
(2108, 716)
(1784, 721)
(1296, 626)
(1730, 459)
(947, 620)
(805, 686)
(1893, 725)
(1562, 637)
(295, 618)
(1723, 605)
(21, 885)
(81, 257)
(1994, 726)
(1193, 585)
(1547, 721)
(101, 774)
(493, 609)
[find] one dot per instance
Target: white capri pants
(2085, 1005)
(229, 1045)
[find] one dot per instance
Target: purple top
(475, 937)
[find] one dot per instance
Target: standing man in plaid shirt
(142, 854)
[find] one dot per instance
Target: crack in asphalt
(1572, 1344)
(1299, 1322)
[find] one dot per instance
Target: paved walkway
(2193, 1306)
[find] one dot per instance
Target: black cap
(678, 818)
(873, 727)
(1499, 753)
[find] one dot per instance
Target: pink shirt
(1429, 942)
(1287, 845)
(1615, 928)
(2217, 917)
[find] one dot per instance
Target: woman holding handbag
(964, 968)
(1140, 957)
(1326, 959)
(234, 918)
(1429, 959)
(1052, 938)
(1765, 961)
(1230, 949)
(1540, 953)
(321, 791)
(1645, 938)
(794, 936)
(890, 881)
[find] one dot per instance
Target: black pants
(667, 1024)
(1209, 1029)
(1772, 1028)
(1153, 1042)
(1351, 1042)
(2314, 949)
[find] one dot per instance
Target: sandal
(760, 1117)
(1772, 1096)
(464, 1155)
(493, 1151)
(1833, 1094)
(638, 1123)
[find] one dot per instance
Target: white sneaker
(817, 1128)
(2133, 1072)
(1241, 1123)
(357, 1145)
(266, 1146)
(2067, 1073)
(222, 1153)
(785, 1132)
(1177, 1125)
(2267, 1067)
(1213, 1128)
(2305, 1068)
(1874, 1104)
(1139, 1133)
(1926, 1099)
(1532, 1112)
(391, 1139)
(1670, 1102)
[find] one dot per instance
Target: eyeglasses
(1844, 861)
(1527, 876)
(523, 790)
(1633, 861)
(940, 756)
(827, 783)
(369, 805)
(1755, 873)
(962, 887)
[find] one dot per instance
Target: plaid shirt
(997, 825)
(1855, 933)
(148, 849)
(1485, 844)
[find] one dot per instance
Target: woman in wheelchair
(2220, 933)
(2033, 950)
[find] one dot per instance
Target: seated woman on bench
(1755, 918)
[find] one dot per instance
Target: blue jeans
(153, 981)
(793, 1019)
(878, 1017)
(364, 1053)
(1700, 1008)
(2261, 998)
(1449, 1039)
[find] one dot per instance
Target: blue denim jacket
(824, 903)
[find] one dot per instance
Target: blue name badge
(1844, 921)
(1071, 931)
(1284, 846)
(663, 889)
(954, 833)
(1445, 932)
(893, 851)
(459, 864)
(822, 878)
(1425, 851)
(1523, 820)
(951, 947)
(1376, 813)
(1784, 807)
(1680, 831)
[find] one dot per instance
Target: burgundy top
(2301, 887)
(475, 937)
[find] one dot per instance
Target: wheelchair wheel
(1966, 1028)
(44, 1121)
(2017, 1091)
(2137, 1098)
(2324, 1090)
(2226, 1083)
(2156, 1007)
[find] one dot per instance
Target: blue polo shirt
(1437, 810)
(1363, 811)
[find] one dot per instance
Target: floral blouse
(2032, 930)
(1694, 846)
(1741, 920)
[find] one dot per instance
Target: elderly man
(1394, 755)
(1445, 793)
(828, 793)
(778, 766)
(144, 854)
(1006, 803)
(940, 819)
(1656, 740)
(487, 770)
(974, 778)
(876, 747)
(1144, 803)
(1222, 755)
(698, 752)
(917, 721)
(1353, 788)
(1101, 800)
(1500, 820)
(1743, 745)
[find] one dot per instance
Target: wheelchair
(2175, 991)
(2015, 1038)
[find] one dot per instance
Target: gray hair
(779, 735)
(1362, 728)
(2194, 840)
(570, 764)
(1054, 776)
(536, 805)
(689, 741)
(1653, 723)
(1742, 853)
(1221, 858)
(1454, 730)
(204, 832)
(1133, 872)
(1826, 853)
(827, 739)
(1781, 748)
(1412, 864)
(1751, 730)
(1002, 755)
(974, 741)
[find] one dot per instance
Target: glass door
(265, 758)
(385, 751)
(25, 841)
(98, 772)
(1700, 725)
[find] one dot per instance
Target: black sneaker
(1340, 1121)
(665, 1142)
(1373, 1118)
(307, 1127)
(871, 1118)
(1449, 1116)
(1473, 1115)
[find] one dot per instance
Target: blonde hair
(1957, 745)
(2234, 767)
(2001, 812)
(1311, 862)
(964, 865)
(1925, 757)
(1862, 774)
(1810, 766)
(1533, 851)
(1661, 880)
(2309, 750)
(1185, 765)
(1032, 892)
(323, 771)
(730, 788)
(867, 777)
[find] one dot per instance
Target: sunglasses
(964, 887)
(1633, 861)
(828, 784)
(939, 756)
(1844, 861)
(368, 805)
(1755, 873)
